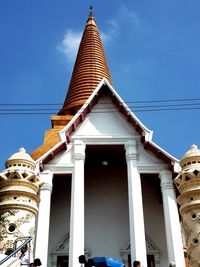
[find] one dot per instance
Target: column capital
(46, 186)
(79, 150)
(131, 150)
(166, 180)
(46, 180)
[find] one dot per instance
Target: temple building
(98, 185)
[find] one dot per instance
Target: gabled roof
(145, 134)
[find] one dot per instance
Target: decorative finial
(22, 150)
(194, 147)
(91, 13)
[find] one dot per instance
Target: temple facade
(98, 185)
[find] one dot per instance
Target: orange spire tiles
(89, 69)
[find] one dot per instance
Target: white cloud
(70, 44)
(131, 16)
(71, 40)
(111, 33)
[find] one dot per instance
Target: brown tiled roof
(89, 69)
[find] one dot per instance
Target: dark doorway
(150, 261)
(62, 261)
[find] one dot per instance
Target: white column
(42, 235)
(76, 245)
(136, 216)
(172, 224)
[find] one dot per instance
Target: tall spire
(89, 69)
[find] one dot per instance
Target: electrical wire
(125, 102)
(37, 108)
(102, 112)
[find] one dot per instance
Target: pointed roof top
(89, 69)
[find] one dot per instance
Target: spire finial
(91, 13)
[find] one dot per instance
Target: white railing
(5, 261)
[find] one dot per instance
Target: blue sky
(152, 48)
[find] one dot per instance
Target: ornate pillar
(136, 217)
(188, 184)
(171, 217)
(19, 185)
(76, 245)
(42, 236)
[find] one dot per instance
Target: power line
(47, 109)
(135, 108)
(30, 104)
(125, 102)
(103, 112)
(158, 106)
(165, 100)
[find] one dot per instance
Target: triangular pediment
(148, 157)
(62, 248)
(150, 246)
(105, 121)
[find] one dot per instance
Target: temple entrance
(62, 261)
(150, 261)
(153, 254)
